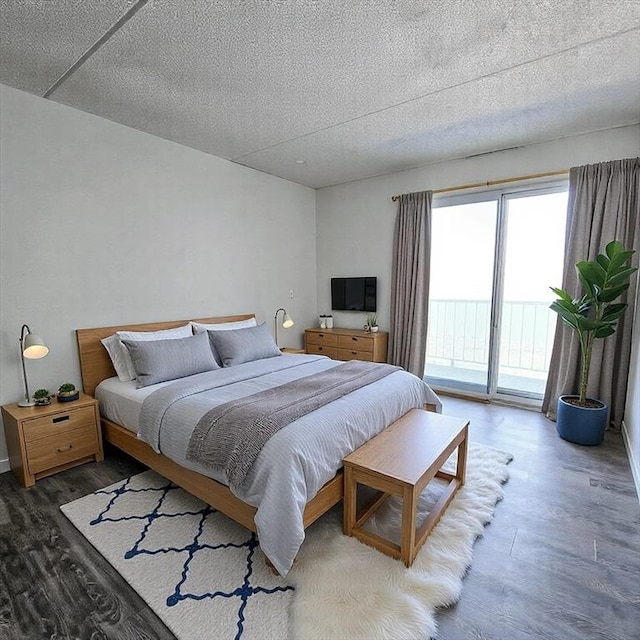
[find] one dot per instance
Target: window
(494, 256)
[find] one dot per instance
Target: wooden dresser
(347, 344)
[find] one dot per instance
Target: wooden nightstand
(44, 440)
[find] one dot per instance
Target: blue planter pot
(581, 425)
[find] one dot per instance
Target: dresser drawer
(68, 445)
(357, 343)
(347, 344)
(322, 350)
(355, 354)
(57, 423)
(326, 339)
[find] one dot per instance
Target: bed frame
(95, 366)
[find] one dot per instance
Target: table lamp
(287, 322)
(34, 348)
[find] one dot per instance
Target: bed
(291, 484)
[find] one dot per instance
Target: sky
(463, 241)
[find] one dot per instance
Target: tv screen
(353, 294)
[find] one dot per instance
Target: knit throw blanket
(229, 437)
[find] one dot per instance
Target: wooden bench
(401, 461)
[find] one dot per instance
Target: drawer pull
(67, 448)
(354, 338)
(321, 335)
(354, 353)
(319, 348)
(60, 419)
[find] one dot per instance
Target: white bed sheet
(121, 402)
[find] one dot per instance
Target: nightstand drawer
(321, 350)
(56, 423)
(52, 451)
(357, 343)
(325, 339)
(355, 354)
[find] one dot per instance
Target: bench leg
(461, 466)
(408, 531)
(350, 496)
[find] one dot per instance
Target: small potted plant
(372, 323)
(42, 397)
(67, 392)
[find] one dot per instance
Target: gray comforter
(301, 457)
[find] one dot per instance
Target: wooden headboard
(95, 363)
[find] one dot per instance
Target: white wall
(101, 224)
(355, 224)
(355, 220)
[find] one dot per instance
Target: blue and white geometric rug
(205, 576)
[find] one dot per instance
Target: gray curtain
(410, 282)
(604, 205)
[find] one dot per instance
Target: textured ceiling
(354, 88)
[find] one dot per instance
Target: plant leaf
(586, 324)
(619, 259)
(609, 295)
(603, 261)
(563, 295)
(621, 276)
(604, 332)
(569, 305)
(586, 284)
(613, 311)
(615, 246)
(591, 273)
(568, 316)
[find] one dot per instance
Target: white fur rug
(205, 576)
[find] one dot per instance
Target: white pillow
(118, 354)
(223, 326)
(120, 357)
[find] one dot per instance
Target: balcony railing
(459, 336)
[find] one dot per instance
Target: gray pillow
(161, 360)
(243, 345)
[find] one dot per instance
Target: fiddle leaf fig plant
(595, 315)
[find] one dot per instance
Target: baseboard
(4, 465)
(529, 404)
(633, 461)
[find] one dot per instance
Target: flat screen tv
(353, 294)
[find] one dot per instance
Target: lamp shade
(33, 347)
(287, 322)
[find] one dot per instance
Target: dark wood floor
(560, 561)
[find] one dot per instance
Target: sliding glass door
(493, 259)
(460, 293)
